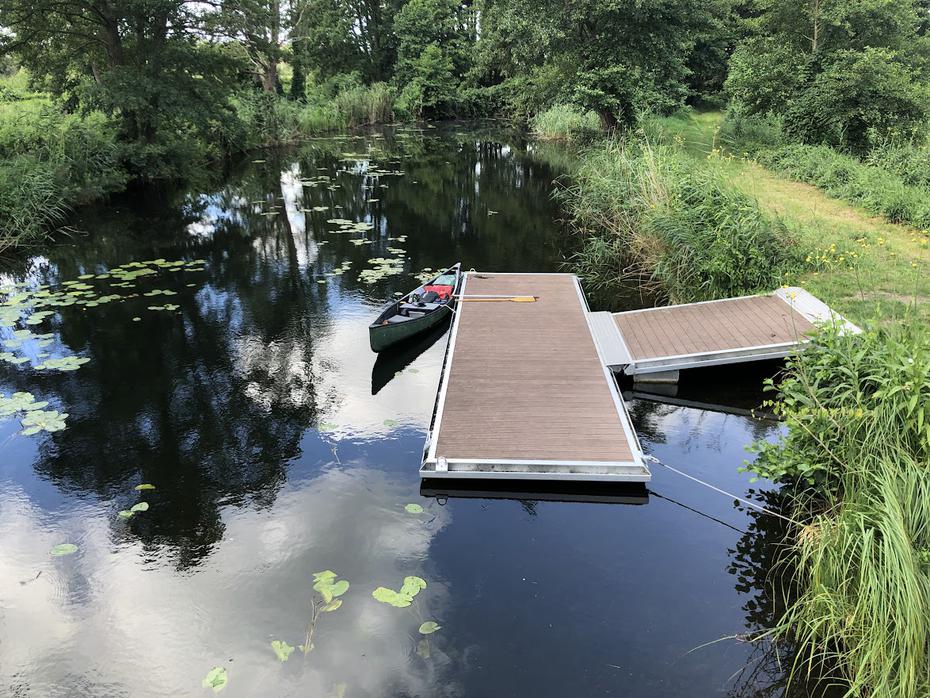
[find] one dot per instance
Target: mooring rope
(748, 503)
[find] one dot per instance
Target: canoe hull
(385, 336)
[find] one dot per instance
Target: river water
(278, 447)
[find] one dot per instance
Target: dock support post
(662, 377)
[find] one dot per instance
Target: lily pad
(429, 627)
(281, 649)
(390, 422)
(125, 514)
(63, 549)
(141, 506)
(413, 509)
(43, 420)
(216, 679)
(144, 486)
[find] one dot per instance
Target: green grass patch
(563, 122)
(860, 264)
(652, 214)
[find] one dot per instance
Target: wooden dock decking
(750, 328)
(525, 392)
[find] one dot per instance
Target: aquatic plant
(413, 508)
(403, 598)
(329, 588)
(216, 679)
(63, 549)
(281, 649)
(43, 420)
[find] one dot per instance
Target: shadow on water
(279, 445)
(391, 363)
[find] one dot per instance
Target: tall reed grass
(652, 215)
(857, 449)
(563, 122)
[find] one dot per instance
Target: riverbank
(861, 265)
(54, 159)
(854, 454)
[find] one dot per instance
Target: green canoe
(421, 309)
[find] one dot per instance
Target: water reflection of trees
(209, 404)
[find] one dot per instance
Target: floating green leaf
(144, 486)
(390, 422)
(332, 605)
(19, 402)
(63, 549)
(66, 363)
(413, 509)
(281, 649)
(412, 586)
(216, 679)
(125, 513)
(42, 420)
(391, 597)
(429, 627)
(141, 506)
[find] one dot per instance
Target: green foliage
(49, 161)
(857, 97)
(652, 214)
(877, 190)
(857, 423)
(843, 73)
(430, 87)
(564, 122)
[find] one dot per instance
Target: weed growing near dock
(857, 450)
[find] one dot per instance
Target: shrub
(654, 213)
(858, 97)
(564, 122)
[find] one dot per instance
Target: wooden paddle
(507, 299)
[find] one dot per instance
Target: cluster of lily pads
(35, 417)
(21, 302)
(345, 225)
(382, 267)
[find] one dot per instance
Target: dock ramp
(750, 328)
(525, 392)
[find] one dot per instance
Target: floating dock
(527, 388)
(656, 343)
(525, 392)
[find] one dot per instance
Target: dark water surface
(279, 448)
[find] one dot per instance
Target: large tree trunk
(608, 119)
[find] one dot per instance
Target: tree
(614, 57)
(143, 60)
(840, 72)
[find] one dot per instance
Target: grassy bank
(49, 161)
(861, 264)
(565, 123)
(650, 214)
(855, 455)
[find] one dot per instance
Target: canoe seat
(412, 315)
(418, 308)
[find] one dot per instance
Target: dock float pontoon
(525, 392)
(655, 343)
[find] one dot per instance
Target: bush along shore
(649, 214)
(854, 460)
